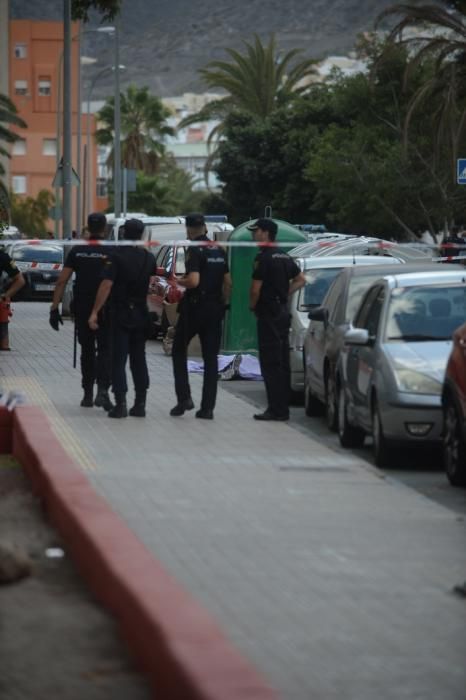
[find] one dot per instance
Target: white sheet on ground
(237, 366)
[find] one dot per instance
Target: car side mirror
(319, 314)
(358, 336)
(160, 272)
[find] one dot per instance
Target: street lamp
(101, 30)
(88, 130)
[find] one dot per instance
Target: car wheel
(312, 406)
(331, 407)
(454, 453)
(349, 435)
(383, 453)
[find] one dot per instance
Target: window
(101, 187)
(45, 86)
(317, 284)
(49, 147)
(180, 267)
(18, 184)
(21, 87)
(19, 148)
(37, 254)
(21, 51)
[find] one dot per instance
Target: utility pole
(117, 125)
(66, 118)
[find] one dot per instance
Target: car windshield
(39, 254)
(317, 283)
(425, 313)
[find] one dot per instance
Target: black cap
(265, 225)
(96, 221)
(133, 228)
(194, 220)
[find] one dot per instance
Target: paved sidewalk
(335, 582)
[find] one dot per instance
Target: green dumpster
(240, 324)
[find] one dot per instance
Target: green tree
(8, 116)
(440, 41)
(143, 128)
(108, 8)
(169, 192)
(30, 215)
(256, 82)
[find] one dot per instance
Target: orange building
(37, 91)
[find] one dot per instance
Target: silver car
(391, 372)
(323, 340)
(319, 274)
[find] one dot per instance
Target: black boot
(102, 400)
(88, 399)
(139, 408)
(119, 410)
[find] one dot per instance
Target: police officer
(275, 277)
(8, 266)
(126, 275)
(87, 261)
(17, 281)
(208, 286)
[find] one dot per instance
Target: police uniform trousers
(95, 346)
(203, 318)
(129, 342)
(274, 357)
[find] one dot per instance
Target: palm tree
(443, 44)
(256, 82)
(143, 128)
(8, 115)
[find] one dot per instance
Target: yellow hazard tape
(37, 396)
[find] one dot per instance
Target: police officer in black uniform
(87, 261)
(9, 266)
(16, 281)
(126, 275)
(208, 287)
(274, 278)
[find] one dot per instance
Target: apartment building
(35, 86)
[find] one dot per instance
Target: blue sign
(461, 171)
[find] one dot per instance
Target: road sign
(58, 179)
(461, 171)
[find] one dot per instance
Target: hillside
(164, 42)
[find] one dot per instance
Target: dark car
(41, 265)
(454, 414)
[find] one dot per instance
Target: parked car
(41, 265)
(319, 274)
(454, 414)
(324, 339)
(390, 374)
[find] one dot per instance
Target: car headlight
(416, 382)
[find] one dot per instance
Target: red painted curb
(178, 644)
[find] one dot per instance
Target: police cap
(96, 222)
(133, 229)
(194, 220)
(264, 225)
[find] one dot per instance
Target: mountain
(165, 42)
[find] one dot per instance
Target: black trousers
(95, 348)
(274, 358)
(205, 319)
(130, 343)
